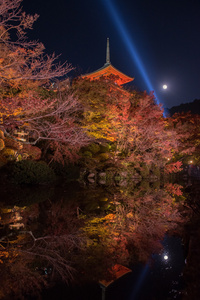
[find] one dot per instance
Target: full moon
(165, 257)
(164, 86)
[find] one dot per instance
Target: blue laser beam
(130, 44)
(139, 282)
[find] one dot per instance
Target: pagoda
(108, 70)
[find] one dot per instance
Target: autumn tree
(131, 121)
(187, 127)
(22, 59)
(96, 98)
(151, 140)
(28, 100)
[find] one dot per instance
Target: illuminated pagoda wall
(108, 70)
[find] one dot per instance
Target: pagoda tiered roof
(107, 70)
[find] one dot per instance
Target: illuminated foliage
(136, 224)
(27, 100)
(187, 127)
(96, 97)
(130, 121)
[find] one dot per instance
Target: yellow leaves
(6, 210)
(129, 215)
(101, 135)
(96, 221)
(100, 129)
(98, 124)
(10, 109)
(98, 228)
(8, 152)
(90, 115)
(104, 199)
(17, 111)
(110, 217)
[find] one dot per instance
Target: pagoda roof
(107, 70)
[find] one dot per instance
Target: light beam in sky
(129, 43)
(138, 284)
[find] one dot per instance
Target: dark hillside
(193, 107)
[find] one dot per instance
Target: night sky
(155, 41)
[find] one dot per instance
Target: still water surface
(46, 231)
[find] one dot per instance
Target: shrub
(103, 156)
(94, 148)
(105, 148)
(9, 153)
(31, 172)
(87, 154)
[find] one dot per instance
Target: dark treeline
(193, 107)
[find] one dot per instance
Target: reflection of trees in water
(136, 225)
(193, 196)
(147, 218)
(43, 252)
(67, 239)
(192, 238)
(23, 196)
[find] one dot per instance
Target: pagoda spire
(108, 52)
(108, 70)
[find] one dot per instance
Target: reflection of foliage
(31, 172)
(136, 225)
(97, 200)
(31, 196)
(192, 269)
(18, 279)
(174, 189)
(53, 252)
(187, 126)
(104, 244)
(147, 219)
(67, 171)
(24, 195)
(90, 237)
(45, 251)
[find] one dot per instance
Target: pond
(81, 241)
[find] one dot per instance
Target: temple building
(108, 70)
